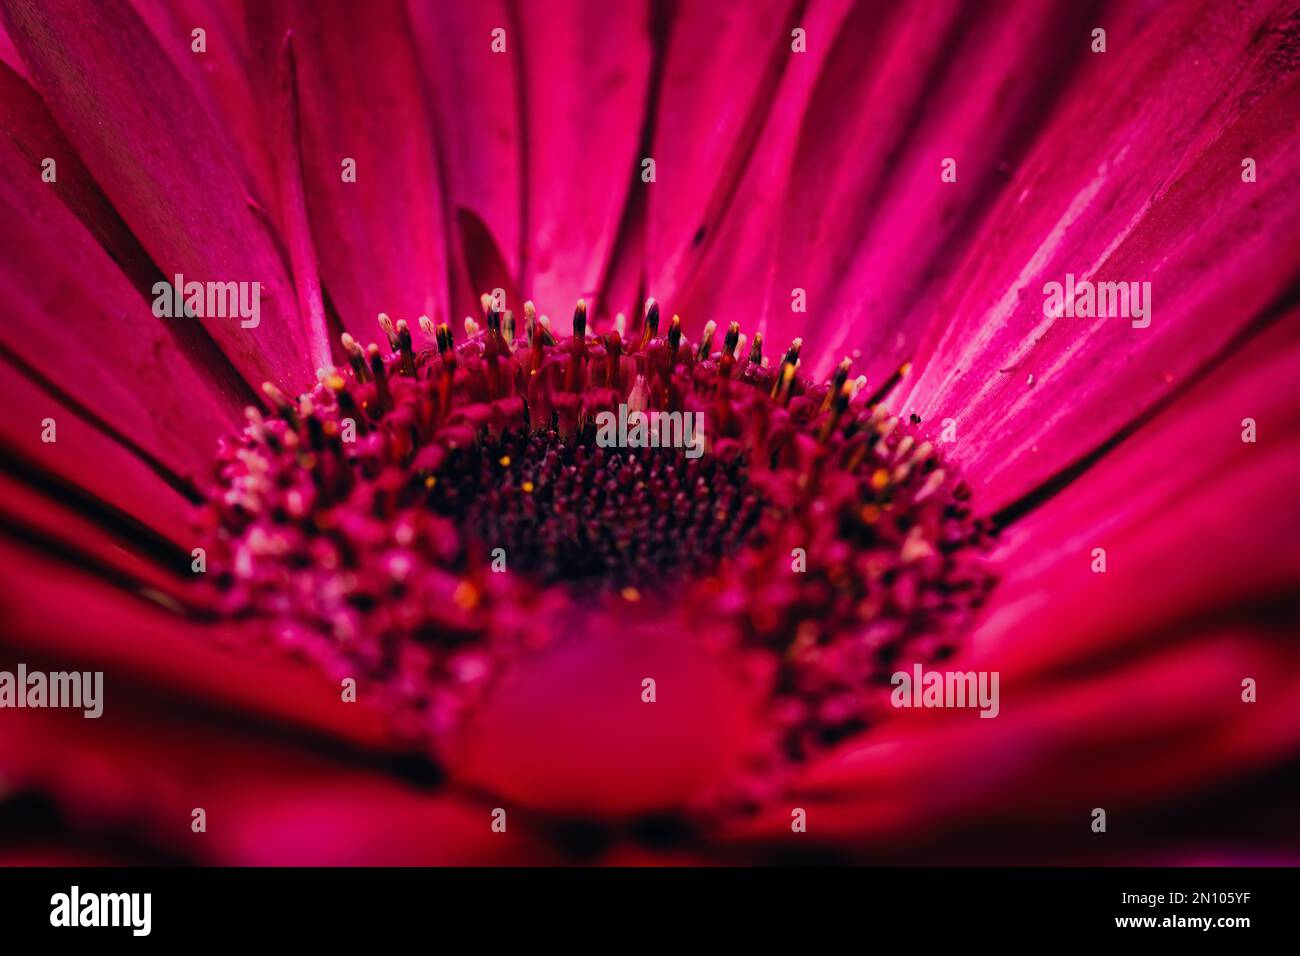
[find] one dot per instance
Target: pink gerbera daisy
(961, 338)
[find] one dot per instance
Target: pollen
(465, 596)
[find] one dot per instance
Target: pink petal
(89, 461)
(293, 206)
(267, 800)
(723, 65)
(733, 274)
(585, 67)
(868, 229)
(34, 137)
(72, 529)
(1122, 187)
(567, 730)
(139, 640)
(1195, 524)
(219, 78)
(1136, 742)
(163, 165)
(380, 239)
(78, 323)
(475, 96)
(9, 53)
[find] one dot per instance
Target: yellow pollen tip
(528, 487)
(631, 594)
(465, 596)
(880, 479)
(504, 461)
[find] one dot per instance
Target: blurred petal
(89, 462)
(116, 550)
(163, 165)
(1130, 741)
(567, 730)
(1122, 187)
(266, 800)
(139, 639)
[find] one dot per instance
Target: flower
(404, 603)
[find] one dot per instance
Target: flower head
(667, 580)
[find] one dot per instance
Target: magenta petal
(163, 165)
(734, 271)
(9, 53)
(475, 97)
(316, 823)
(35, 137)
(723, 64)
(585, 69)
(220, 77)
(80, 532)
(381, 238)
(869, 228)
(138, 641)
(142, 769)
(77, 322)
(567, 730)
(87, 457)
(1133, 741)
(293, 206)
(1121, 188)
(1194, 522)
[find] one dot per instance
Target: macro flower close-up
(524, 432)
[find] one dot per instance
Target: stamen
(406, 347)
(580, 320)
(651, 322)
(386, 324)
(732, 339)
(356, 357)
(706, 341)
(674, 338)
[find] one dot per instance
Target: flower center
(566, 509)
(422, 519)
